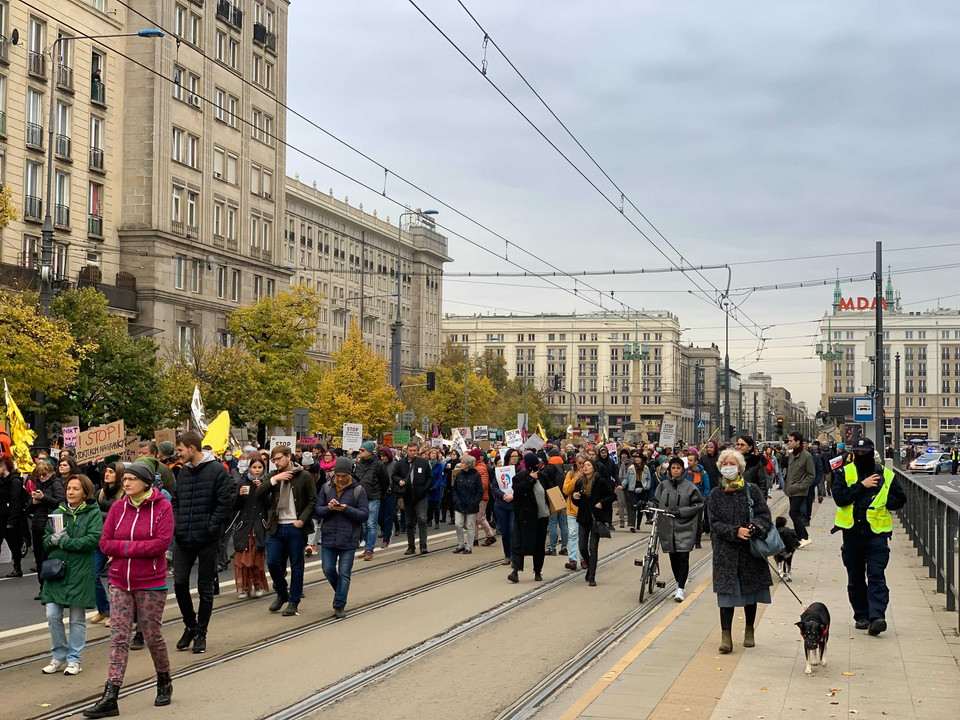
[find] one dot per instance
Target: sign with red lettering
(101, 442)
(860, 303)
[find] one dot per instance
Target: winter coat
(484, 472)
(53, 495)
(304, 491)
(341, 529)
(251, 512)
(800, 475)
(83, 527)
(202, 502)
(685, 502)
(137, 539)
(107, 496)
(634, 488)
(498, 495)
(732, 559)
(587, 512)
(756, 472)
(422, 478)
(11, 499)
(709, 463)
(525, 513)
(435, 494)
(468, 492)
(372, 476)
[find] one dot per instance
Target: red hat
(475, 452)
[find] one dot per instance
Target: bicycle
(651, 560)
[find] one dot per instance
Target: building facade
(350, 256)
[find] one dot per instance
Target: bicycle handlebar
(658, 510)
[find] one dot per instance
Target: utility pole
(696, 403)
(878, 364)
(363, 264)
(466, 375)
(743, 420)
(726, 373)
(896, 414)
(754, 415)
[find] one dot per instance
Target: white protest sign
(465, 432)
(514, 438)
(352, 435)
(458, 443)
(480, 433)
(505, 478)
(101, 442)
(836, 462)
(278, 440)
(534, 442)
(668, 433)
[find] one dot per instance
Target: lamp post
(396, 375)
(46, 235)
(726, 373)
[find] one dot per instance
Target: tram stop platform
(910, 672)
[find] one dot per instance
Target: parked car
(931, 462)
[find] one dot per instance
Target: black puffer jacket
(202, 502)
(251, 515)
(52, 497)
(756, 472)
(107, 496)
(11, 499)
(372, 476)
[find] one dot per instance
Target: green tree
(118, 377)
(39, 353)
(509, 404)
(445, 404)
(354, 389)
(277, 332)
(493, 367)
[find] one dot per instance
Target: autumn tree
(8, 211)
(492, 366)
(354, 389)
(445, 404)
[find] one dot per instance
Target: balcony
(176, 227)
(271, 43)
(96, 159)
(223, 9)
(118, 298)
(20, 277)
(32, 208)
(232, 244)
(34, 136)
(61, 216)
(3, 123)
(65, 78)
(259, 33)
(98, 93)
(95, 226)
(198, 3)
(236, 18)
(62, 146)
(218, 241)
(4, 50)
(37, 65)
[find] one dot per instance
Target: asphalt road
(947, 486)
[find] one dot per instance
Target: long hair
(639, 464)
(586, 486)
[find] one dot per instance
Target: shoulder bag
(52, 570)
(767, 546)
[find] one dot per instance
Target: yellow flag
(541, 432)
(20, 434)
(218, 433)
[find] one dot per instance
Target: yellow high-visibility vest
(877, 514)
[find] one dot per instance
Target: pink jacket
(137, 539)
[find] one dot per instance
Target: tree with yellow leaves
(355, 390)
(8, 211)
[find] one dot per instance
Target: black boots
(164, 689)
(17, 572)
(107, 704)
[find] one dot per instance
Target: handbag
(599, 527)
(767, 546)
(53, 569)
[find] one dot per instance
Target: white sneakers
(804, 543)
(243, 595)
(679, 597)
(73, 669)
(259, 593)
(55, 666)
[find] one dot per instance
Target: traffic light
(556, 382)
(780, 426)
(431, 381)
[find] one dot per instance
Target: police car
(932, 462)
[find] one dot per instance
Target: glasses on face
(740, 444)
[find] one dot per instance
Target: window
(235, 285)
(61, 203)
(257, 287)
(268, 75)
(255, 120)
(178, 270)
(221, 282)
(219, 105)
(231, 223)
(180, 21)
(232, 161)
(257, 69)
(271, 287)
(62, 130)
(195, 31)
(233, 54)
(96, 142)
(908, 335)
(192, 151)
(267, 130)
(195, 276)
(34, 129)
(32, 174)
(185, 334)
(921, 334)
(267, 236)
(176, 208)
(176, 151)
(193, 200)
(218, 209)
(94, 208)
(267, 183)
(254, 232)
(233, 108)
(255, 179)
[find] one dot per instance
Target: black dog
(790, 543)
(815, 629)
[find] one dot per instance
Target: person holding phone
(594, 498)
(530, 518)
(46, 497)
(250, 532)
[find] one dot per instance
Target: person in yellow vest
(865, 493)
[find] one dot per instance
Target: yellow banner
(20, 434)
(218, 433)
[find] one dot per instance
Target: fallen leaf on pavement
(764, 687)
(848, 673)
(834, 703)
(833, 692)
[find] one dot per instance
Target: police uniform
(863, 514)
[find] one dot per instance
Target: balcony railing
(95, 226)
(218, 240)
(237, 17)
(32, 208)
(62, 145)
(98, 92)
(271, 43)
(34, 136)
(259, 33)
(232, 244)
(4, 50)
(61, 216)
(176, 227)
(223, 9)
(37, 64)
(65, 77)
(96, 159)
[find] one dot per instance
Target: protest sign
(836, 462)
(101, 441)
(534, 442)
(514, 438)
(505, 478)
(130, 446)
(70, 436)
(612, 449)
(466, 433)
(337, 441)
(352, 436)
(484, 445)
(668, 433)
(388, 439)
(165, 435)
(480, 433)
(307, 441)
(458, 442)
(276, 441)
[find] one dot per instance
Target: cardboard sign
(70, 436)
(308, 441)
(165, 435)
(836, 462)
(556, 500)
(668, 433)
(505, 478)
(388, 439)
(352, 436)
(401, 438)
(466, 433)
(514, 438)
(130, 447)
(101, 441)
(485, 446)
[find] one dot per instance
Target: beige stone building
(350, 256)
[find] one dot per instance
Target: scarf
(135, 500)
(342, 486)
(327, 465)
(734, 485)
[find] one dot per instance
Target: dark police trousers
(866, 557)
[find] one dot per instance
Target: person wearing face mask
(738, 511)
(679, 497)
(250, 530)
(865, 494)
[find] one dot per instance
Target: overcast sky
(743, 131)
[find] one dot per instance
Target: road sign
(863, 409)
(701, 425)
(408, 416)
(955, 421)
(425, 420)
(425, 424)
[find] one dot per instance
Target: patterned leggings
(148, 607)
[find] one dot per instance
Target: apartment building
(350, 256)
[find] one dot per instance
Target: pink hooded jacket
(137, 539)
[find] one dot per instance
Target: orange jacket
(484, 478)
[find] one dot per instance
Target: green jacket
(83, 528)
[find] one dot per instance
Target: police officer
(954, 458)
(865, 494)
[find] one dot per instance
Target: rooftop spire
(888, 294)
(837, 294)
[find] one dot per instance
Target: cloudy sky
(793, 133)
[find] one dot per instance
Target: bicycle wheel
(647, 567)
(654, 574)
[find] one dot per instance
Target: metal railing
(96, 159)
(223, 9)
(933, 523)
(98, 92)
(37, 64)
(64, 77)
(34, 136)
(62, 146)
(61, 216)
(95, 226)
(32, 208)
(4, 50)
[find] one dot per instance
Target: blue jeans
(60, 649)
(337, 565)
(287, 542)
(505, 526)
(573, 544)
(370, 524)
(388, 512)
(564, 531)
(99, 563)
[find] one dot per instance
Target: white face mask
(730, 471)
(243, 465)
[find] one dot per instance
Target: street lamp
(396, 376)
(46, 242)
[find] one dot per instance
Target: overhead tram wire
(623, 196)
(581, 295)
(507, 243)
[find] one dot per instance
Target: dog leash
(777, 573)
